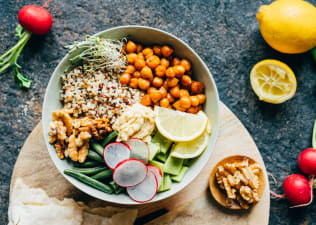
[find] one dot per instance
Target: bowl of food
(131, 115)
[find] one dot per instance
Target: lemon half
(180, 126)
(273, 81)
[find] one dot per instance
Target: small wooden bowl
(219, 194)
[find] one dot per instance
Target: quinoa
(98, 94)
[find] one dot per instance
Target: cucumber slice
(158, 164)
(164, 143)
(161, 157)
(186, 162)
(154, 148)
(173, 165)
(167, 183)
(179, 177)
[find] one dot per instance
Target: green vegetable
(111, 137)
(154, 148)
(164, 142)
(186, 162)
(314, 53)
(89, 181)
(117, 189)
(97, 148)
(173, 165)
(95, 156)
(158, 164)
(180, 176)
(162, 157)
(104, 174)
(166, 183)
(89, 171)
(87, 164)
(11, 57)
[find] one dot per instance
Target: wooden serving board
(192, 205)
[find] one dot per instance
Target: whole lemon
(288, 26)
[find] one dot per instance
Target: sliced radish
(139, 149)
(157, 172)
(115, 153)
(129, 172)
(146, 190)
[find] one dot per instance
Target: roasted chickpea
(125, 78)
(130, 47)
(176, 61)
(185, 102)
(166, 51)
(163, 92)
(149, 90)
(136, 74)
(186, 80)
(194, 101)
(164, 102)
(179, 70)
(130, 69)
(134, 83)
(196, 87)
(172, 82)
(202, 98)
(131, 58)
(146, 73)
(175, 92)
(139, 48)
(186, 64)
(152, 61)
(155, 96)
(157, 82)
(148, 52)
(170, 98)
(170, 72)
(184, 92)
(139, 63)
(165, 85)
(157, 50)
(141, 56)
(146, 100)
(160, 71)
(177, 106)
(164, 62)
(193, 109)
(143, 84)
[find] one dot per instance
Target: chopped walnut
(240, 182)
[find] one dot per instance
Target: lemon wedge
(191, 149)
(273, 81)
(180, 126)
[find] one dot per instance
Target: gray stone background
(224, 33)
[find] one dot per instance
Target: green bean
(95, 156)
(117, 189)
(89, 181)
(89, 171)
(104, 174)
(87, 164)
(109, 138)
(97, 148)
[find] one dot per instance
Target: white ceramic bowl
(145, 36)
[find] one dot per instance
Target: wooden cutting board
(193, 205)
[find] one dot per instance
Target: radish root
(311, 200)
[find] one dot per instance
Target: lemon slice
(273, 81)
(191, 149)
(180, 126)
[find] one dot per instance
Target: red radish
(114, 153)
(130, 172)
(146, 190)
(32, 19)
(157, 172)
(297, 190)
(35, 19)
(139, 149)
(307, 161)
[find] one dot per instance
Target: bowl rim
(215, 129)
